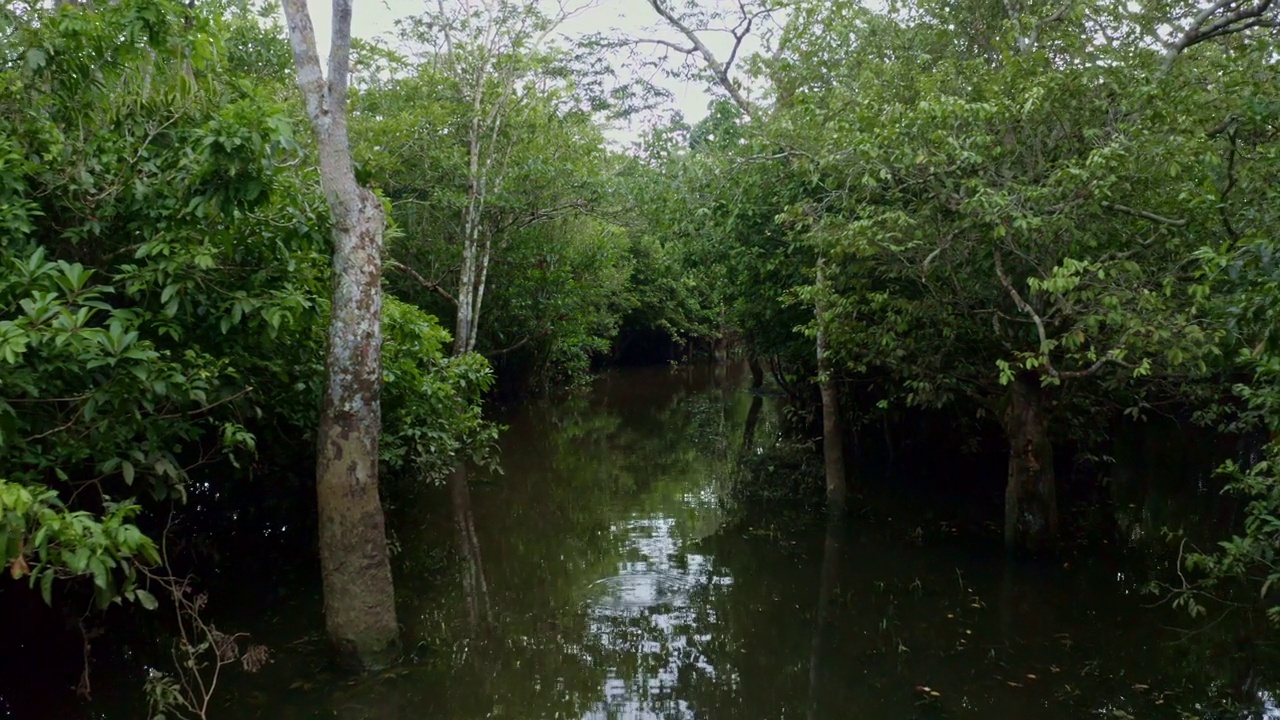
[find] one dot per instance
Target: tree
(488, 63)
(721, 72)
(496, 187)
(996, 235)
(359, 596)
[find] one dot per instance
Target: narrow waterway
(605, 574)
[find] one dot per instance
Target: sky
(371, 18)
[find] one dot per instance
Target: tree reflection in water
(620, 584)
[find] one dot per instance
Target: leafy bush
(431, 412)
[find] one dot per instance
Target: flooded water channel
(610, 577)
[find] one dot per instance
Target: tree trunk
(466, 294)
(832, 440)
(826, 590)
(1030, 498)
(753, 421)
(757, 371)
(720, 345)
(359, 597)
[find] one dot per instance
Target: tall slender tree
(359, 597)
(720, 71)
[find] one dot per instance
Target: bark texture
(1030, 498)
(359, 597)
(832, 437)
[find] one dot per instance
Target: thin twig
(206, 408)
(433, 287)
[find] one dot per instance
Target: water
(611, 579)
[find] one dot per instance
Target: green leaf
(99, 572)
(147, 600)
(36, 58)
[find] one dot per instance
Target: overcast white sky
(371, 18)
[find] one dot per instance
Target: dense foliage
(165, 272)
(1037, 219)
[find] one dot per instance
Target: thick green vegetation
(165, 265)
(165, 273)
(1038, 218)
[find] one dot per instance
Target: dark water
(611, 578)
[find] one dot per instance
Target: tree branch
(512, 348)
(1228, 186)
(682, 49)
(718, 69)
(1057, 16)
(1092, 369)
(339, 54)
(1025, 307)
(302, 38)
(326, 104)
(1242, 18)
(1178, 222)
(1112, 356)
(541, 215)
(433, 287)
(210, 406)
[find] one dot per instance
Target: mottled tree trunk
(1030, 498)
(359, 597)
(832, 438)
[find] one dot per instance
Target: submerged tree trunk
(757, 371)
(753, 421)
(832, 440)
(826, 590)
(1030, 498)
(474, 586)
(359, 597)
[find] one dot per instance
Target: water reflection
(619, 585)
